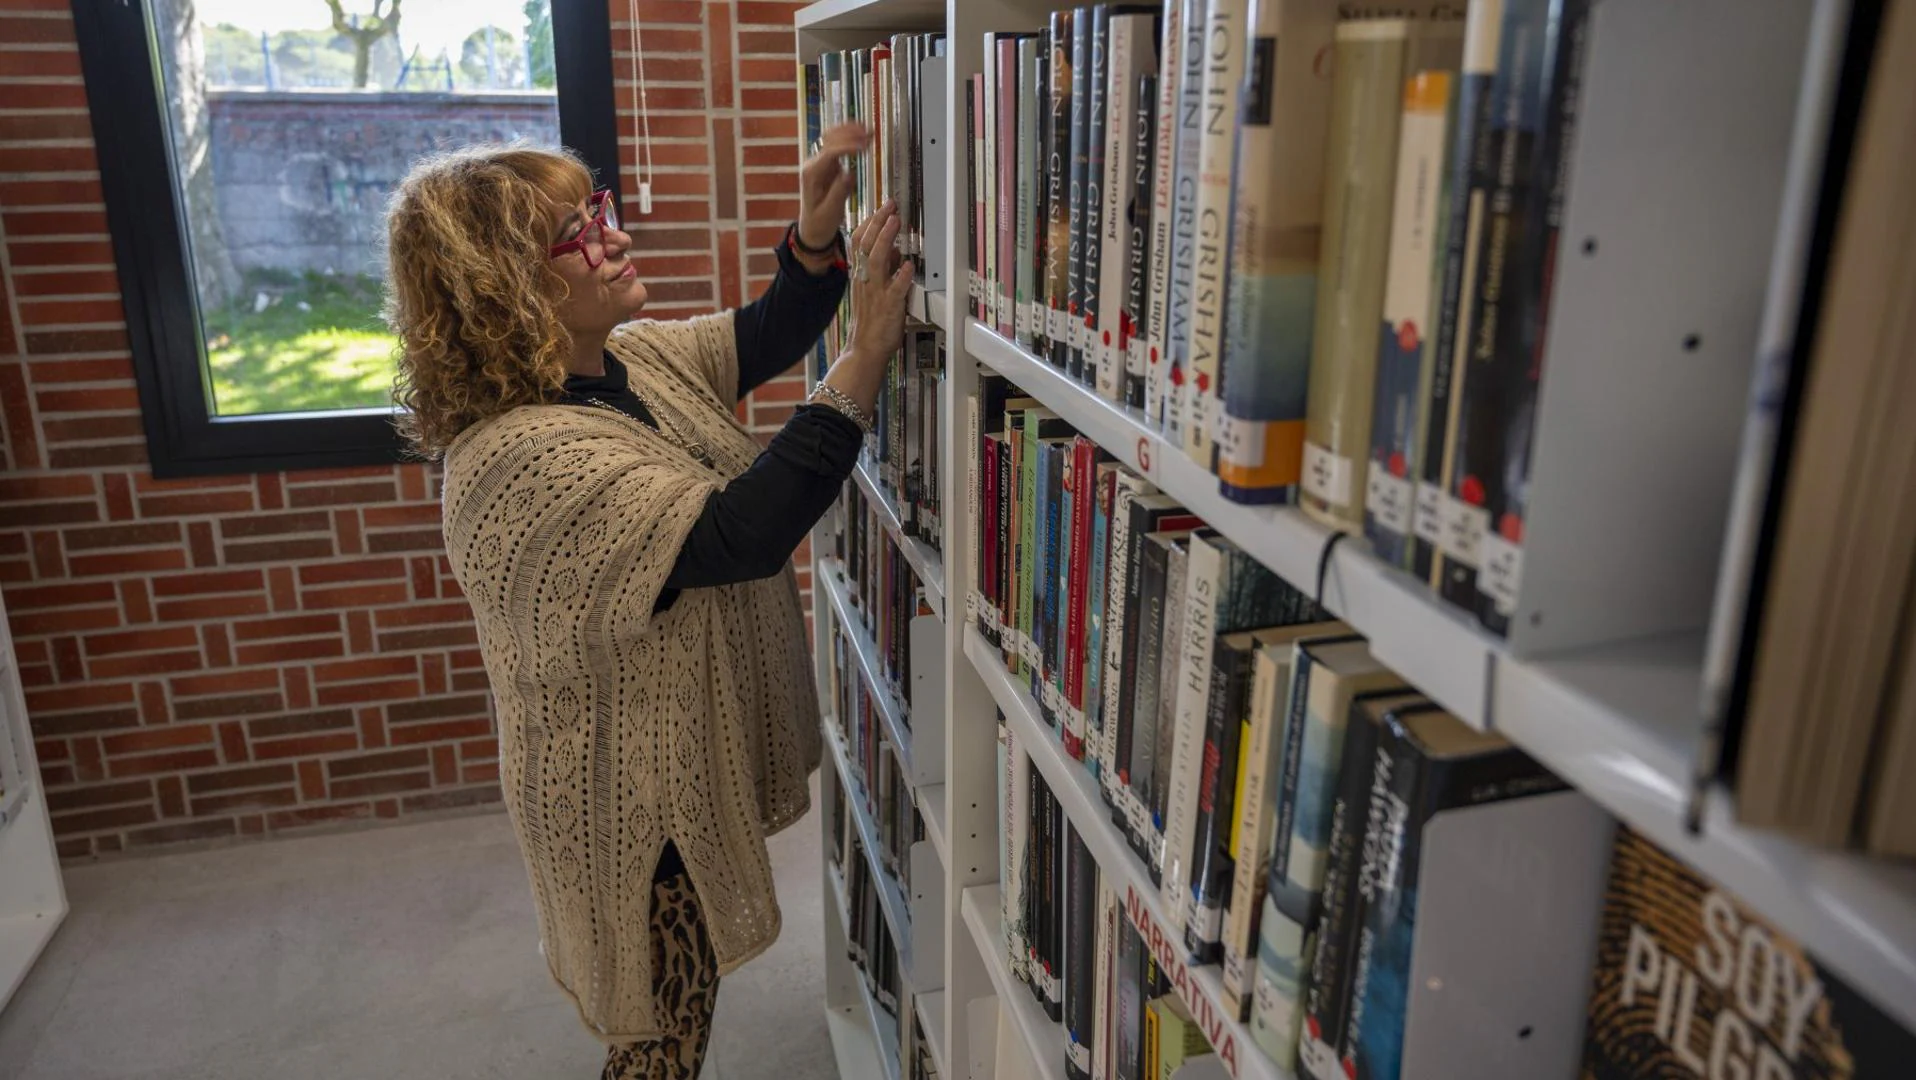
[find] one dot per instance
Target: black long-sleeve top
(750, 529)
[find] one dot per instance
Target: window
(246, 152)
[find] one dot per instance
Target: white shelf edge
(12, 802)
(1198, 987)
(931, 804)
(890, 708)
(1616, 721)
(929, 306)
(931, 1017)
(869, 15)
(853, 1045)
(924, 561)
(891, 896)
(984, 914)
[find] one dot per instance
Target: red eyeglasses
(591, 239)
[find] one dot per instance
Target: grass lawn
(318, 344)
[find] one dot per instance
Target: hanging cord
(1324, 563)
(641, 111)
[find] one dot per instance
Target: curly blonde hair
(470, 291)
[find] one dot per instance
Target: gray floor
(404, 953)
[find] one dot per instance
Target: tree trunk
(214, 275)
(362, 60)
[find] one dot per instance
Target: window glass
(291, 121)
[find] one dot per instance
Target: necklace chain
(667, 426)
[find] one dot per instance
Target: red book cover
(1084, 465)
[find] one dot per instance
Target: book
(1232, 657)
(1135, 675)
(1686, 973)
(1154, 608)
(1428, 764)
(1083, 36)
(1015, 798)
(1164, 729)
(1275, 233)
(1522, 316)
(1442, 532)
(1029, 180)
(1372, 59)
(1137, 362)
(1223, 61)
(1184, 208)
(1120, 635)
(1081, 918)
(1132, 960)
(1059, 251)
(1132, 50)
(1253, 831)
(1102, 599)
(991, 87)
(1173, 34)
(1178, 1037)
(1403, 355)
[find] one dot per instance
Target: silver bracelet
(827, 394)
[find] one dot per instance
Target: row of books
(878, 782)
(1069, 942)
(923, 1065)
(883, 87)
(868, 939)
(902, 452)
(1327, 282)
(885, 593)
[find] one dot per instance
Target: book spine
(1055, 549)
(1038, 100)
(977, 486)
(1057, 152)
(1153, 584)
(1027, 168)
(1365, 778)
(1120, 605)
(1520, 361)
(1389, 496)
(1028, 515)
(1067, 542)
(1213, 870)
(1008, 90)
(1176, 585)
(1495, 321)
(1017, 824)
(1135, 342)
(1377, 888)
(1471, 174)
(974, 196)
(1366, 103)
(1058, 912)
(991, 87)
(1101, 599)
(1275, 234)
(1184, 210)
(1008, 545)
(1077, 267)
(1095, 202)
(1084, 507)
(1131, 53)
(1163, 170)
(1255, 813)
(1130, 993)
(1223, 73)
(1205, 581)
(1104, 968)
(1290, 760)
(1080, 996)
(1036, 672)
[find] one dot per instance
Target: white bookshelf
(33, 900)
(925, 562)
(1620, 722)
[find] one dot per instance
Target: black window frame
(120, 62)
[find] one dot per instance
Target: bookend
(1682, 141)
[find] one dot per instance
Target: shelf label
(1501, 575)
(1057, 326)
(1168, 948)
(1147, 455)
(1021, 320)
(1428, 522)
(1318, 1059)
(1135, 359)
(1464, 528)
(1388, 499)
(1326, 475)
(1239, 441)
(1078, 1052)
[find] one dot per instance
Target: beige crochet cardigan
(620, 728)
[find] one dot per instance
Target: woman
(626, 548)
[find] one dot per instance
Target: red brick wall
(251, 655)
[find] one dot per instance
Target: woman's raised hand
(881, 282)
(825, 182)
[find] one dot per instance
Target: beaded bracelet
(836, 399)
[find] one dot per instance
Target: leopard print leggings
(686, 989)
